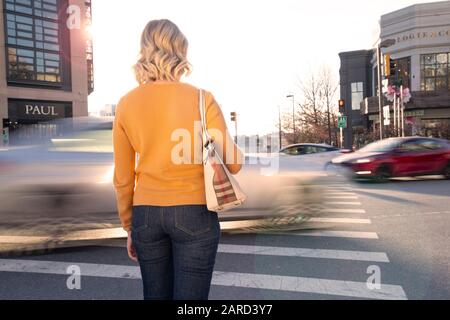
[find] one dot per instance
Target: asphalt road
(373, 241)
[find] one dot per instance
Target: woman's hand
(130, 248)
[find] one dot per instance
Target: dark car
(304, 149)
(399, 157)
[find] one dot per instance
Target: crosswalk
(319, 262)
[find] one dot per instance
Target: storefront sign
(38, 110)
(424, 35)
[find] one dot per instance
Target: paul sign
(41, 110)
(26, 110)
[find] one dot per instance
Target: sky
(249, 53)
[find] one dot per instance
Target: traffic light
(233, 116)
(6, 123)
(390, 66)
(341, 106)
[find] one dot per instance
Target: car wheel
(383, 173)
(447, 171)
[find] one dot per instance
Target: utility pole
(383, 44)
(329, 120)
(293, 115)
(380, 91)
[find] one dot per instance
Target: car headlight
(359, 161)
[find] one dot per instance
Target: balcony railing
(419, 100)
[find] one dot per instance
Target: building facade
(46, 65)
(422, 56)
(355, 80)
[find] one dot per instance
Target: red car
(399, 157)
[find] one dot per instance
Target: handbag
(222, 189)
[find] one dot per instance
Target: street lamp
(280, 132)
(383, 44)
(293, 114)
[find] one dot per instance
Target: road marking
(340, 193)
(226, 279)
(331, 234)
(340, 187)
(342, 197)
(308, 285)
(94, 234)
(341, 220)
(336, 203)
(335, 210)
(305, 253)
(23, 240)
(60, 268)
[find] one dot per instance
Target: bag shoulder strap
(202, 108)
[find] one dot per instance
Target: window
(412, 146)
(435, 71)
(89, 49)
(92, 141)
(357, 95)
(315, 149)
(402, 75)
(431, 144)
(294, 151)
(32, 30)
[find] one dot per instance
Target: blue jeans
(176, 249)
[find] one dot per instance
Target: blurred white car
(64, 184)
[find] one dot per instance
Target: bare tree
(316, 117)
(328, 89)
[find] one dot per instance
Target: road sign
(385, 83)
(387, 115)
(342, 122)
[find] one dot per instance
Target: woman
(160, 189)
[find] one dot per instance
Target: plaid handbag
(222, 190)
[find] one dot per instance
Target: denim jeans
(176, 249)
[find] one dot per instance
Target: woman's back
(161, 201)
(161, 123)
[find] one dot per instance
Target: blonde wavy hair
(163, 54)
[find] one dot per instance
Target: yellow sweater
(152, 123)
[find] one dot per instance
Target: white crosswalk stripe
(338, 193)
(341, 220)
(332, 234)
(340, 197)
(305, 253)
(338, 210)
(337, 203)
(226, 279)
(309, 285)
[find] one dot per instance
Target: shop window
(435, 72)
